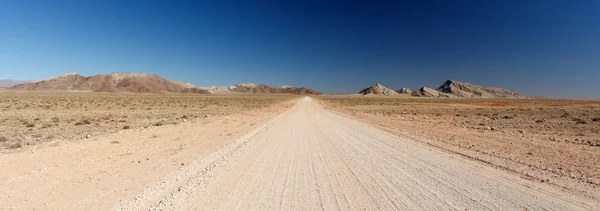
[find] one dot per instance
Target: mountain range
(149, 83)
(448, 89)
(144, 83)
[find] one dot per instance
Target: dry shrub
(47, 125)
(30, 125)
(83, 122)
(579, 121)
(3, 139)
(15, 145)
(126, 127)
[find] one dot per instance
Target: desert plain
(98, 151)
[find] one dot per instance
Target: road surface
(311, 159)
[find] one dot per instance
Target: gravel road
(310, 159)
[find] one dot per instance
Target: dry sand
(299, 157)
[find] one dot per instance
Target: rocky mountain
(429, 92)
(467, 90)
(378, 89)
(251, 88)
(145, 83)
(449, 89)
(404, 91)
(10, 83)
(114, 82)
(264, 89)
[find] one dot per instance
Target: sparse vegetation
(519, 127)
(83, 122)
(15, 145)
(47, 125)
(579, 121)
(26, 114)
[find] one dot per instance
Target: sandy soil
(309, 159)
(294, 155)
(547, 141)
(101, 171)
(31, 119)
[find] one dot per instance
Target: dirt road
(310, 159)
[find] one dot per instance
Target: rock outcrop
(378, 89)
(467, 90)
(404, 91)
(429, 92)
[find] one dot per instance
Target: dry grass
(73, 115)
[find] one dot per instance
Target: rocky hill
(449, 89)
(145, 83)
(378, 89)
(265, 89)
(467, 90)
(429, 92)
(114, 82)
(404, 91)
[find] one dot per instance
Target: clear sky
(536, 48)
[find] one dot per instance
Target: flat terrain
(39, 118)
(550, 141)
(289, 153)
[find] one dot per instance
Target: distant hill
(144, 83)
(378, 89)
(251, 88)
(449, 89)
(429, 92)
(10, 83)
(114, 82)
(467, 90)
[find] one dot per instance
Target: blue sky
(540, 48)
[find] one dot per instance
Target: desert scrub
(83, 122)
(126, 127)
(597, 119)
(30, 125)
(15, 145)
(3, 139)
(579, 121)
(47, 125)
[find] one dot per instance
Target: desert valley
(133, 141)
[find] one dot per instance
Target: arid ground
(290, 152)
(34, 118)
(551, 141)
